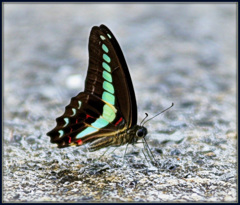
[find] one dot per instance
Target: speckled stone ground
(181, 53)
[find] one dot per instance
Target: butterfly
(105, 113)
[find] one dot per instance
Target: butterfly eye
(139, 133)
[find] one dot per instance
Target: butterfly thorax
(130, 136)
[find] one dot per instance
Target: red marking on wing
(71, 130)
(79, 142)
(87, 116)
(70, 139)
(76, 121)
(120, 120)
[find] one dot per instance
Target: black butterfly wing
(108, 102)
(124, 92)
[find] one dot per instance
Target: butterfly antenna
(157, 114)
(144, 118)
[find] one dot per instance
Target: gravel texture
(181, 53)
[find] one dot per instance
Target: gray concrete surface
(181, 53)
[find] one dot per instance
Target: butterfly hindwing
(108, 102)
(83, 121)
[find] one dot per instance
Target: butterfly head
(141, 132)
(138, 132)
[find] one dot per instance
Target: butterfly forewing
(129, 99)
(107, 63)
(107, 104)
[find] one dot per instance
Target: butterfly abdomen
(121, 138)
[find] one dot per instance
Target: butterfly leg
(125, 151)
(97, 159)
(125, 154)
(150, 154)
(103, 154)
(146, 156)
